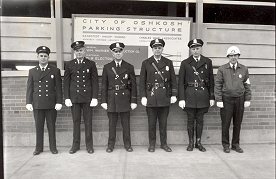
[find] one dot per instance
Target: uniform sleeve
(181, 82)
(218, 85)
(66, 83)
(104, 86)
(173, 84)
(211, 81)
(58, 87)
(30, 89)
(133, 86)
(143, 78)
(94, 81)
(247, 87)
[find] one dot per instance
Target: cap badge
(194, 41)
(44, 48)
(117, 45)
(156, 40)
(77, 43)
(233, 51)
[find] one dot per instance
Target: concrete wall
(19, 129)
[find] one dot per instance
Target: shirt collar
(120, 62)
(197, 58)
(231, 65)
(43, 67)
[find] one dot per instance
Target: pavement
(257, 162)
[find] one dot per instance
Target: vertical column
(187, 10)
(199, 18)
(59, 34)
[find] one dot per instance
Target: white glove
(144, 101)
(133, 106)
(30, 107)
(212, 102)
(182, 104)
(58, 107)
(246, 104)
(68, 102)
(173, 99)
(220, 104)
(104, 105)
(94, 102)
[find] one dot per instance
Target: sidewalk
(257, 162)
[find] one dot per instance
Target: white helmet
(233, 50)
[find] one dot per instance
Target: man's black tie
(43, 69)
(234, 67)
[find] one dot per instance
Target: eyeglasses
(118, 51)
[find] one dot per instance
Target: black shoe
(90, 150)
(237, 149)
(226, 149)
(73, 150)
(166, 148)
(190, 147)
(129, 149)
(151, 148)
(200, 147)
(36, 152)
(54, 151)
(109, 150)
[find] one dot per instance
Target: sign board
(136, 32)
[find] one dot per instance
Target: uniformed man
(196, 91)
(158, 89)
(81, 93)
(44, 98)
(119, 95)
(233, 93)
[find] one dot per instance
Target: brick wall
(258, 124)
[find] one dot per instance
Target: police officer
(119, 95)
(44, 98)
(233, 93)
(81, 93)
(158, 89)
(196, 91)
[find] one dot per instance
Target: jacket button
(78, 81)
(46, 90)
(83, 85)
(78, 72)
(39, 86)
(46, 94)
(77, 90)
(83, 80)
(77, 76)
(46, 85)
(115, 93)
(84, 90)
(39, 90)
(123, 93)
(39, 95)
(39, 81)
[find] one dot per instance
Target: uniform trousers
(233, 107)
(87, 112)
(195, 115)
(125, 121)
(160, 113)
(39, 116)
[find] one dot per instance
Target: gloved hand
(30, 107)
(212, 102)
(104, 105)
(247, 104)
(144, 101)
(68, 102)
(173, 99)
(94, 102)
(58, 107)
(133, 106)
(220, 104)
(182, 104)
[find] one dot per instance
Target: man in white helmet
(232, 93)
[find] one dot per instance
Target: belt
(157, 85)
(117, 87)
(196, 84)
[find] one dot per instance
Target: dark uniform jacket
(119, 92)
(157, 91)
(44, 89)
(81, 81)
(232, 84)
(195, 93)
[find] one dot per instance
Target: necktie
(43, 69)
(196, 59)
(157, 61)
(117, 65)
(79, 62)
(234, 67)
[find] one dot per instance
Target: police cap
(157, 42)
(117, 46)
(43, 49)
(77, 45)
(195, 43)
